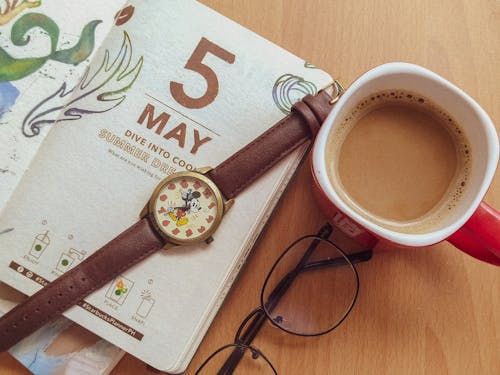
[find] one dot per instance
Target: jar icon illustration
(67, 259)
(147, 303)
(39, 245)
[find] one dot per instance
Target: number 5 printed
(195, 63)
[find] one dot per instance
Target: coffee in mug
(406, 157)
(400, 160)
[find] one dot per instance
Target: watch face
(186, 208)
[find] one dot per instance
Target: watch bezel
(204, 179)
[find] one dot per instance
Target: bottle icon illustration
(67, 259)
(39, 245)
(119, 289)
(147, 303)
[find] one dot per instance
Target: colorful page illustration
(45, 46)
(146, 108)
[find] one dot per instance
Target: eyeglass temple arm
(354, 258)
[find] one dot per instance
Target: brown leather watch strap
(141, 240)
(130, 247)
(241, 169)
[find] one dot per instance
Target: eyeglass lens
(321, 286)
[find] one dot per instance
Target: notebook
(71, 349)
(121, 131)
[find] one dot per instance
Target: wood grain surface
(420, 311)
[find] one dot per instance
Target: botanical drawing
(13, 68)
(103, 84)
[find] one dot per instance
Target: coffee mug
(363, 187)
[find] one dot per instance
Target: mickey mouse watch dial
(187, 207)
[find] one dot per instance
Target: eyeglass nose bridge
(259, 318)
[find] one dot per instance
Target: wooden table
(427, 311)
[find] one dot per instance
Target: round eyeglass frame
(349, 308)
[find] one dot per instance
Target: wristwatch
(185, 208)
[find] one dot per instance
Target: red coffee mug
(472, 226)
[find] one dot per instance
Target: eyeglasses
(309, 291)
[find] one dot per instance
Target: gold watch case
(186, 207)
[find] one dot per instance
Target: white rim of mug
(406, 239)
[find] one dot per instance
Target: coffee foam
(433, 219)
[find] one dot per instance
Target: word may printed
(179, 133)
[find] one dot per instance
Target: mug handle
(480, 235)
